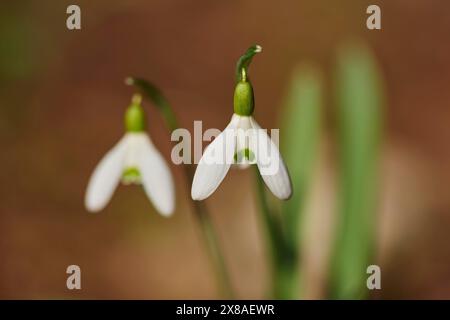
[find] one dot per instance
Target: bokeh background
(62, 100)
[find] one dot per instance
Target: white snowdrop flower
(242, 143)
(133, 160)
(230, 148)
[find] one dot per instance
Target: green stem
(283, 259)
(212, 241)
(159, 100)
(244, 62)
(200, 209)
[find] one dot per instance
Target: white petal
(105, 177)
(270, 164)
(215, 162)
(156, 177)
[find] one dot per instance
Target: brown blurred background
(62, 100)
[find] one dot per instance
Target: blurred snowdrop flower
(133, 160)
(242, 143)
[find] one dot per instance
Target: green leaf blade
(359, 100)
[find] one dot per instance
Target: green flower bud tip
(135, 115)
(244, 101)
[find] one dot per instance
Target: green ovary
(244, 101)
(135, 116)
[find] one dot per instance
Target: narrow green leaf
(300, 135)
(359, 104)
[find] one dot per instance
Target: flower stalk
(282, 254)
(200, 209)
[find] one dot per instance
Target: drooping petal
(156, 177)
(270, 163)
(105, 177)
(215, 162)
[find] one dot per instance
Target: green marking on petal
(131, 175)
(244, 155)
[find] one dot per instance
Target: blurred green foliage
(359, 98)
(16, 54)
(301, 126)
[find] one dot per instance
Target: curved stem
(200, 209)
(159, 100)
(244, 62)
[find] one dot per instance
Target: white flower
(134, 159)
(243, 142)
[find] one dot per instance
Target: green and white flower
(133, 160)
(242, 143)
